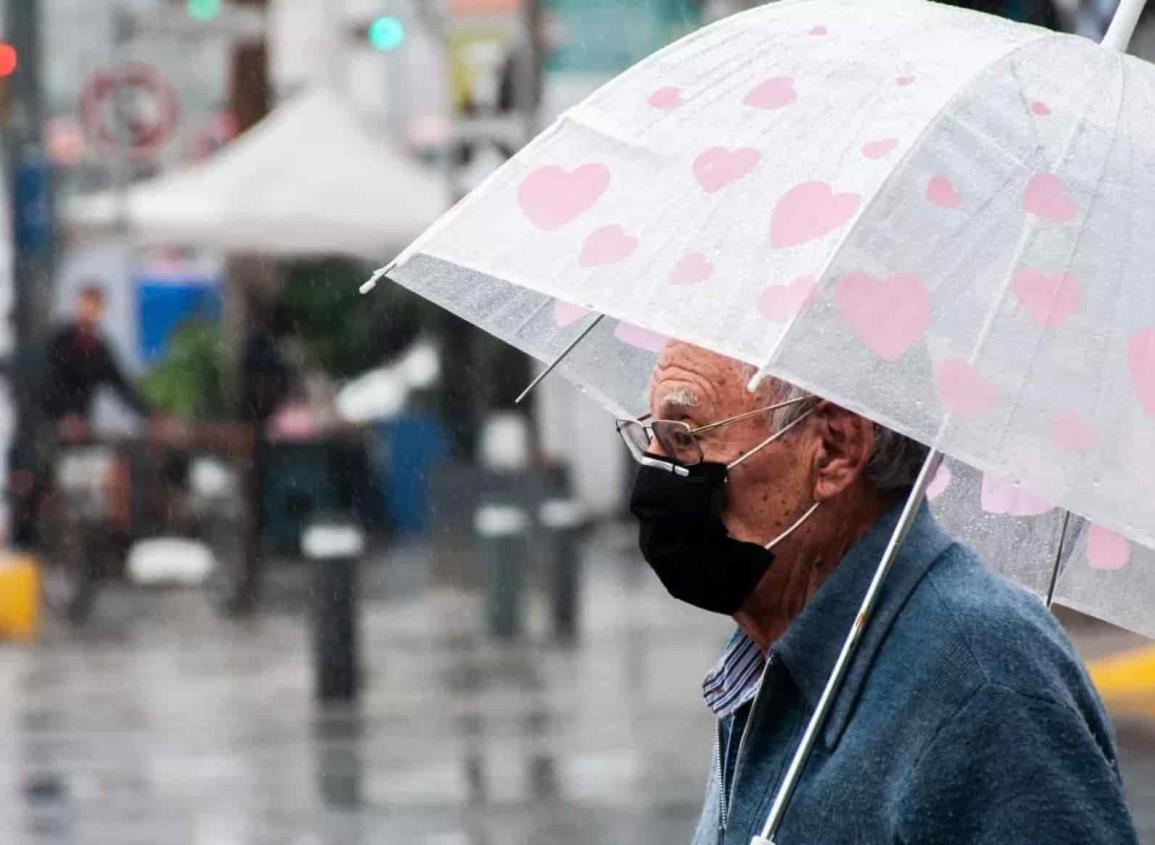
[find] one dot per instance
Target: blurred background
(289, 566)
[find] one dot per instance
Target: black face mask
(684, 539)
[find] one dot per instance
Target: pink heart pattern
(1047, 199)
(665, 98)
(607, 245)
(889, 315)
(904, 81)
(566, 313)
(1049, 298)
(961, 390)
(877, 149)
(774, 93)
(818, 30)
(1000, 496)
(552, 197)
(640, 338)
(718, 167)
(1107, 550)
(1038, 107)
(691, 269)
(781, 303)
(1141, 363)
(940, 482)
(808, 211)
(1071, 434)
(940, 191)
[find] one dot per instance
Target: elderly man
(965, 715)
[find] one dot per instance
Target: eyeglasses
(679, 440)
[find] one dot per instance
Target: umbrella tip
(377, 276)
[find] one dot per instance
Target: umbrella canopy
(936, 218)
(307, 180)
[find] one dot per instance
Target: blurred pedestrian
(78, 361)
(964, 716)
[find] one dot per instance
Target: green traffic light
(203, 10)
(386, 33)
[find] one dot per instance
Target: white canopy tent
(307, 180)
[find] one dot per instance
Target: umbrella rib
(561, 356)
(1058, 560)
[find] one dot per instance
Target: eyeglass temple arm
(770, 439)
(748, 414)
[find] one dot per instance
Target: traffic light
(203, 10)
(386, 33)
(8, 60)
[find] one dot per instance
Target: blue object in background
(411, 447)
(32, 218)
(164, 302)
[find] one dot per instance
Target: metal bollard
(562, 521)
(502, 531)
(334, 548)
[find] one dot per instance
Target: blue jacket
(965, 716)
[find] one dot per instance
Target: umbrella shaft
(786, 790)
(1122, 27)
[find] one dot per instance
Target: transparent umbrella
(936, 218)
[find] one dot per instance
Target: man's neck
(801, 568)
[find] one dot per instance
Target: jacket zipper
(722, 796)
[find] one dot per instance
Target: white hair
(896, 460)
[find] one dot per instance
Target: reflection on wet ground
(163, 723)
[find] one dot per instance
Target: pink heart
(1141, 362)
(938, 484)
(780, 303)
(640, 338)
(1050, 298)
(889, 315)
(1001, 496)
(904, 81)
(818, 30)
(551, 197)
(1071, 434)
(1040, 108)
(565, 313)
(717, 167)
(940, 191)
(691, 269)
(1046, 197)
(1106, 549)
(668, 97)
(607, 245)
(808, 211)
(877, 149)
(774, 93)
(961, 390)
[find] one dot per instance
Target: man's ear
(845, 444)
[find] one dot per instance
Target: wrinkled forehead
(690, 376)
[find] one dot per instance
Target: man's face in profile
(89, 310)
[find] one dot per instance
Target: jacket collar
(810, 646)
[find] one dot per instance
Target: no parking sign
(131, 108)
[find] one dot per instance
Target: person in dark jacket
(77, 363)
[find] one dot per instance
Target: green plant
(188, 382)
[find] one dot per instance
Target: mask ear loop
(769, 439)
(797, 524)
(792, 528)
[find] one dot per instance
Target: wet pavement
(164, 723)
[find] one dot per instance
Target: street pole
(249, 100)
(30, 181)
(32, 218)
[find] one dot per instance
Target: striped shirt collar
(735, 678)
